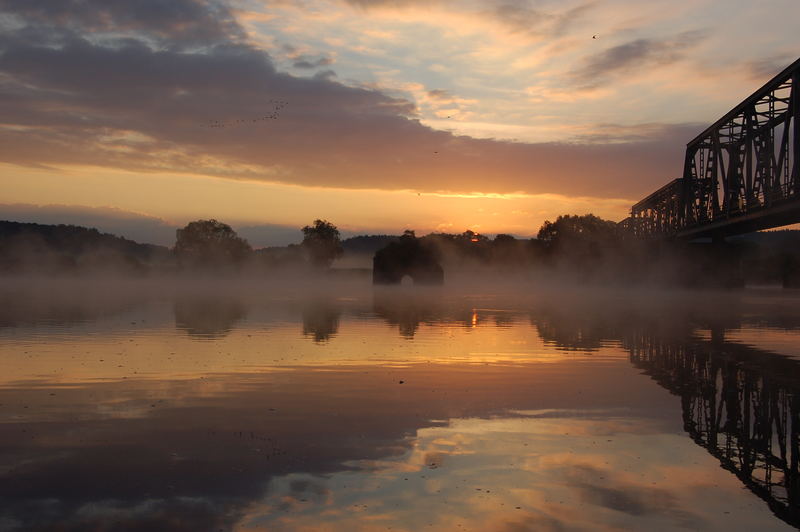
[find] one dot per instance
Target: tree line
(582, 247)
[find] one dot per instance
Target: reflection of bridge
(741, 404)
(740, 175)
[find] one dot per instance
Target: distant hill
(39, 248)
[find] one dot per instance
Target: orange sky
(379, 116)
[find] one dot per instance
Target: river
(138, 405)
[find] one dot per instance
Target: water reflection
(406, 310)
(208, 317)
(321, 319)
(472, 417)
(32, 303)
(740, 403)
(579, 330)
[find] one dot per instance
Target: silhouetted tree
(322, 243)
(210, 244)
(503, 238)
(571, 229)
(587, 243)
(472, 236)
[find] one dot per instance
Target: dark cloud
(606, 488)
(133, 104)
(440, 94)
(641, 54)
(176, 21)
(325, 75)
(307, 62)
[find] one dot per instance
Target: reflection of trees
(740, 403)
(571, 336)
(590, 323)
(405, 311)
(576, 330)
(408, 311)
(321, 320)
(208, 317)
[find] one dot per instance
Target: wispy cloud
(522, 17)
(763, 68)
(639, 54)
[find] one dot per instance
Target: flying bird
(277, 105)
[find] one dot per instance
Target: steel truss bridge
(740, 403)
(740, 175)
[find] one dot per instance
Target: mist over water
(320, 405)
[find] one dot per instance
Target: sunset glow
(381, 116)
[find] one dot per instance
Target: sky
(378, 115)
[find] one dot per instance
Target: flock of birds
(273, 115)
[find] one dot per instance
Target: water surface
(139, 406)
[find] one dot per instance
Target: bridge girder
(741, 174)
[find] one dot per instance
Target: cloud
(767, 67)
(620, 495)
(182, 21)
(440, 94)
(367, 4)
(521, 17)
(306, 62)
(643, 54)
(139, 104)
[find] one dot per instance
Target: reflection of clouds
(603, 487)
(225, 442)
(517, 474)
(174, 514)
